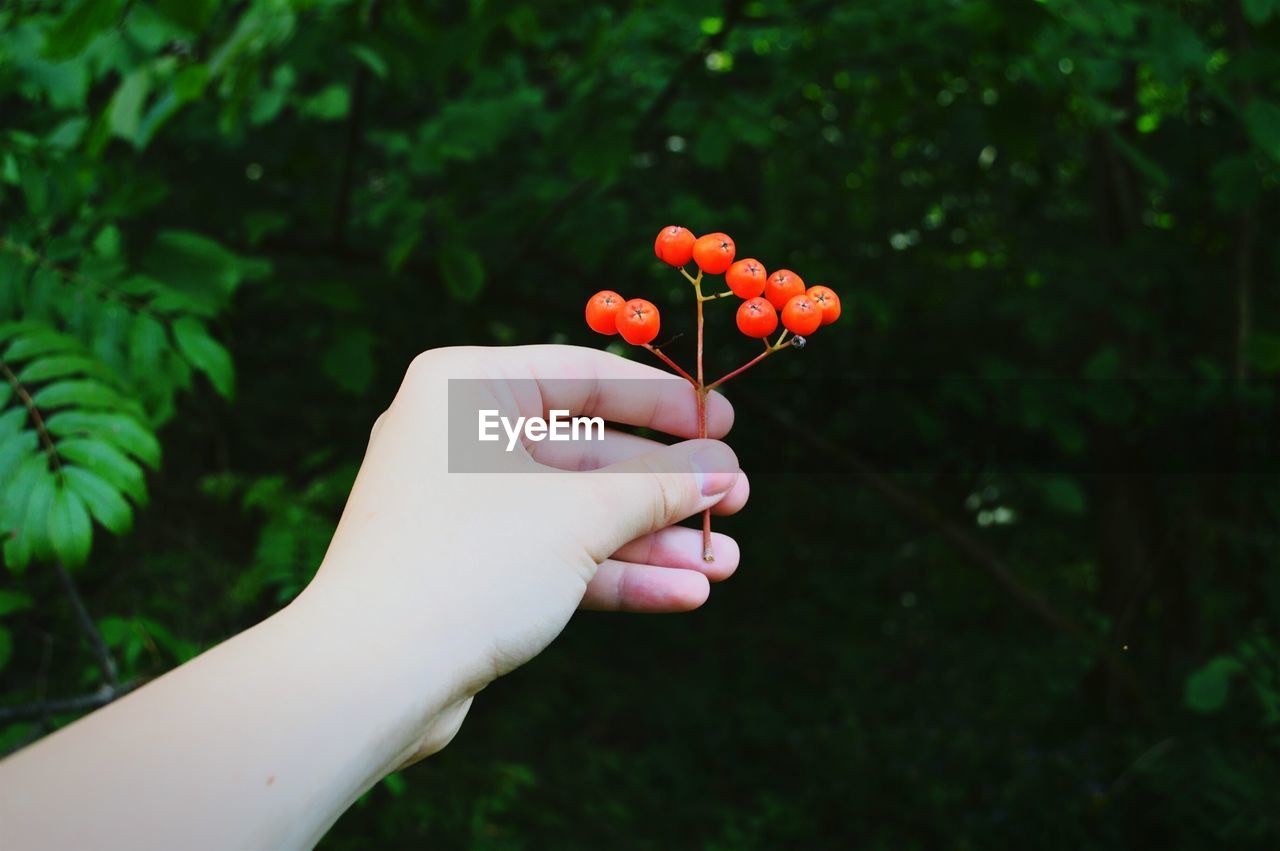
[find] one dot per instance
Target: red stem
(755, 360)
(669, 362)
(708, 553)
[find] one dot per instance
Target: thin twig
(669, 362)
(36, 419)
(30, 255)
(62, 705)
(919, 510)
(755, 360)
(106, 661)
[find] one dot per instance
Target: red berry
(782, 286)
(828, 302)
(757, 318)
(801, 316)
(602, 312)
(713, 253)
(638, 322)
(674, 245)
(746, 278)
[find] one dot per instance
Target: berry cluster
(765, 298)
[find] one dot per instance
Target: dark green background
(1056, 219)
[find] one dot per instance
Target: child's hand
(485, 569)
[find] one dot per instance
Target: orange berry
(828, 302)
(757, 318)
(674, 245)
(638, 322)
(713, 253)
(782, 286)
(746, 278)
(801, 315)
(602, 312)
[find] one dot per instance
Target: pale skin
(434, 585)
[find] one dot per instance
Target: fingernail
(716, 469)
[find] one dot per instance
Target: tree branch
(921, 512)
(60, 706)
(106, 662)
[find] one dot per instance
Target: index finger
(590, 382)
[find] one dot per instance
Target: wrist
(408, 662)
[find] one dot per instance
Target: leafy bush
(1030, 589)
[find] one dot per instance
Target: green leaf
(68, 134)
(33, 475)
(14, 450)
(18, 488)
(70, 530)
(12, 421)
(6, 647)
(104, 502)
(1257, 11)
(192, 14)
(17, 551)
(349, 360)
(60, 366)
(79, 393)
(1147, 167)
(1262, 121)
(371, 59)
(108, 463)
(79, 26)
(1207, 687)
(120, 430)
(40, 341)
(14, 601)
(189, 83)
(148, 343)
(205, 354)
(1063, 495)
(124, 115)
(35, 523)
(197, 266)
(462, 271)
(330, 104)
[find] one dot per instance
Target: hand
(488, 568)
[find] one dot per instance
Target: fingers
(596, 383)
(618, 446)
(592, 454)
(735, 499)
(649, 492)
(681, 547)
(619, 586)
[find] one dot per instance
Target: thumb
(649, 492)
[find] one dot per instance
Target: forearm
(261, 742)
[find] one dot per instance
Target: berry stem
(669, 362)
(724, 294)
(708, 554)
(779, 346)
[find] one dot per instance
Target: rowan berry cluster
(765, 298)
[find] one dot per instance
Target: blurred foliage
(226, 227)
